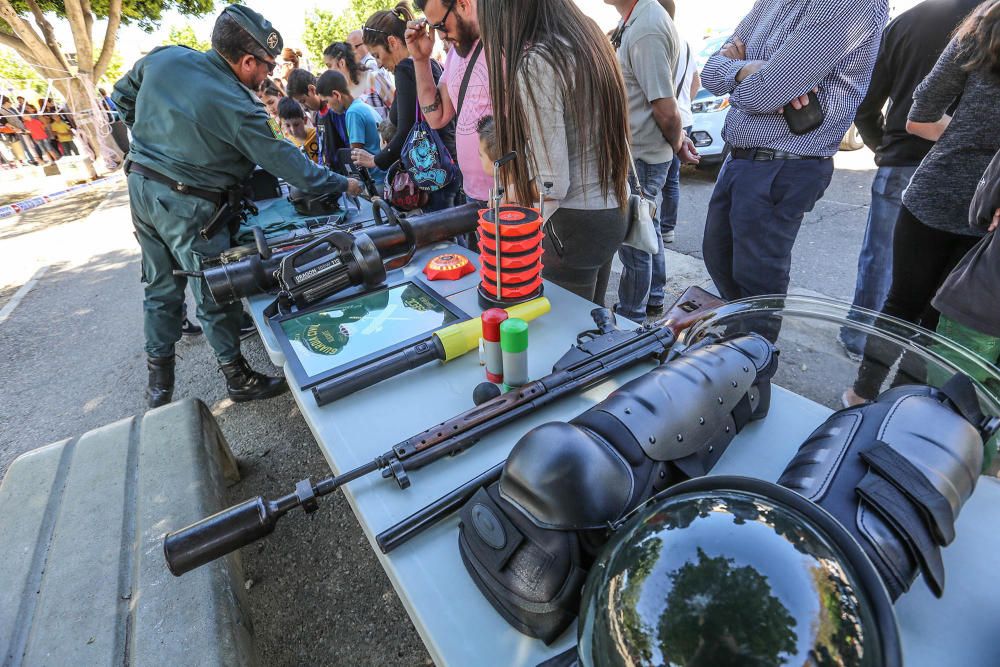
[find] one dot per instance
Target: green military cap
(259, 28)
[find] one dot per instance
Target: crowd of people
(919, 91)
(598, 124)
(34, 134)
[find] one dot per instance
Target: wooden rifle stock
(597, 355)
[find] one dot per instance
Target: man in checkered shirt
(782, 50)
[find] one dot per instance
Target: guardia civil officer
(197, 132)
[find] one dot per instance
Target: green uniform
(195, 122)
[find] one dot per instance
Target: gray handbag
(641, 216)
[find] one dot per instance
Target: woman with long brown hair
(932, 233)
(564, 110)
(385, 36)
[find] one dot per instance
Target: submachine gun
(597, 355)
(325, 265)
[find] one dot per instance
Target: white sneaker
(668, 237)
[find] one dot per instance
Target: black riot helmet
(732, 571)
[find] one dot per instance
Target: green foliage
(15, 73)
(185, 36)
(115, 70)
(144, 13)
(323, 27)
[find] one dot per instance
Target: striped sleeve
(831, 31)
(718, 76)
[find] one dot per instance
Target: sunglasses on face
(270, 65)
(439, 26)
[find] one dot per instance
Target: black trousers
(922, 257)
(579, 247)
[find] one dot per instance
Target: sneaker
(849, 399)
(189, 328)
(848, 352)
(668, 237)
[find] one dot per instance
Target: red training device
(450, 266)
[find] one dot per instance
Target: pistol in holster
(234, 209)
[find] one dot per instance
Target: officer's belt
(215, 197)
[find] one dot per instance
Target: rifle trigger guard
(399, 473)
(307, 496)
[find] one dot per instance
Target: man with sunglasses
(198, 130)
(463, 93)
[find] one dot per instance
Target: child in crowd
(298, 131)
(365, 85)
(39, 134)
(330, 126)
(489, 152)
(360, 119)
(64, 135)
(270, 94)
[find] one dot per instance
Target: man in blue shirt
(360, 119)
(779, 53)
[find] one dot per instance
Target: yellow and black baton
(443, 345)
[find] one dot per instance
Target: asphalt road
(71, 359)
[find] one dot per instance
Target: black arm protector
(895, 473)
(528, 540)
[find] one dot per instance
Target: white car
(709, 112)
(709, 117)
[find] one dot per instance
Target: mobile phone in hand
(806, 119)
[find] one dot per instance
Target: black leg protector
(896, 473)
(528, 540)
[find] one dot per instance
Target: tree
(114, 71)
(18, 76)
(185, 36)
(323, 28)
(25, 28)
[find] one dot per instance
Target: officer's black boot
(161, 380)
(246, 384)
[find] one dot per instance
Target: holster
(896, 473)
(231, 212)
(529, 539)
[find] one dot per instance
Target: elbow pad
(528, 540)
(895, 473)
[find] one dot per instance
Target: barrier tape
(41, 200)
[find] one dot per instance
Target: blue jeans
(753, 220)
(669, 204)
(672, 194)
(875, 260)
(633, 290)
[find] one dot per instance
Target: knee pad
(528, 540)
(896, 473)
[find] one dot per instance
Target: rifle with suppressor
(597, 355)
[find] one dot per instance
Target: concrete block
(81, 528)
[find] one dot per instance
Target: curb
(35, 202)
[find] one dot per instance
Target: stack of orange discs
(519, 257)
